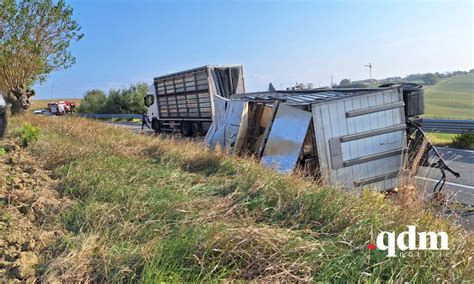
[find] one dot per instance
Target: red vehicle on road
(61, 107)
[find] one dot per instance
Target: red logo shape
(371, 246)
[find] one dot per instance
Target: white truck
(184, 101)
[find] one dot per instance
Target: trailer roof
(305, 97)
(196, 69)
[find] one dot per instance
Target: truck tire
(155, 124)
(186, 128)
(196, 127)
(3, 121)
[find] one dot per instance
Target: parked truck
(184, 101)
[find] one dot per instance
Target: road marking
(449, 183)
(455, 149)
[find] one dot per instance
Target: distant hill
(451, 98)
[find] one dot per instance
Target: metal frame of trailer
(342, 137)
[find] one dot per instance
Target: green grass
(464, 141)
(461, 141)
(451, 98)
(441, 139)
(157, 209)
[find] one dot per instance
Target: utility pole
(370, 69)
(332, 81)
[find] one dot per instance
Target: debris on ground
(27, 202)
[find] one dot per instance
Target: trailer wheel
(155, 124)
(187, 128)
(3, 121)
(195, 127)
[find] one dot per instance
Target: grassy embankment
(159, 209)
(451, 98)
(460, 141)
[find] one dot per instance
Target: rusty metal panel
(255, 125)
(243, 128)
(286, 138)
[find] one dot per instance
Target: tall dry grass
(161, 209)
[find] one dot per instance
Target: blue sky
(277, 41)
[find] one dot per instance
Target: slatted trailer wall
(361, 139)
(185, 100)
(184, 96)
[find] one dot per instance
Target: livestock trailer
(185, 100)
(344, 137)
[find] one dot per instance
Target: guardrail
(112, 115)
(453, 126)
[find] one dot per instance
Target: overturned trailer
(345, 137)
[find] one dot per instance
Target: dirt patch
(29, 205)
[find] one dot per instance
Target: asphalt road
(457, 190)
(461, 161)
(135, 127)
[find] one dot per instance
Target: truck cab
(152, 108)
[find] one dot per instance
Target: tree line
(433, 78)
(126, 100)
(423, 78)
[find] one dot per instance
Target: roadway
(135, 127)
(457, 190)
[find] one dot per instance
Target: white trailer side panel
(361, 139)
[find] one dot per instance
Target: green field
(451, 98)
